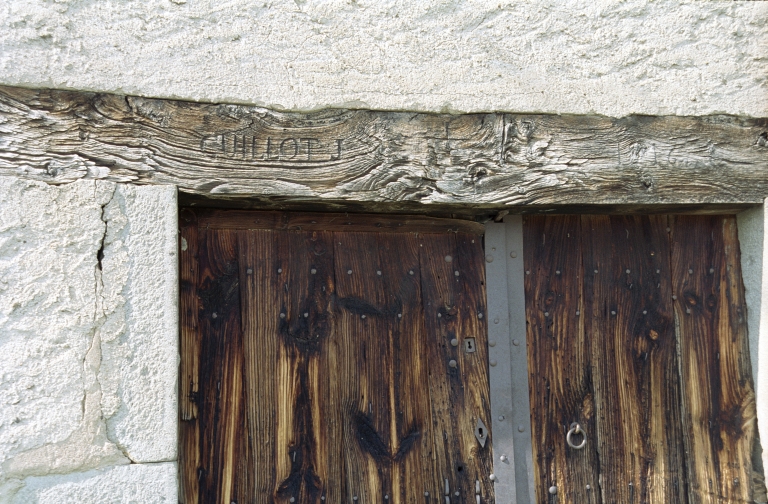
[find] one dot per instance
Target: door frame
(474, 166)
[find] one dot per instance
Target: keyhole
(469, 345)
(481, 432)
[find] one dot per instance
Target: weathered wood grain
(315, 366)
(416, 472)
(189, 367)
(719, 415)
(346, 222)
(220, 415)
(559, 361)
(628, 316)
(452, 269)
(383, 160)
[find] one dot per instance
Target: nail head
(452, 363)
(454, 342)
(513, 255)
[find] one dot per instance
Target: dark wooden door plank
(452, 270)
(718, 396)
(365, 358)
(220, 408)
(559, 361)
(412, 444)
(189, 366)
(633, 355)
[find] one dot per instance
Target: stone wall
(88, 341)
(88, 270)
(577, 57)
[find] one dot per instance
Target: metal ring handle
(576, 429)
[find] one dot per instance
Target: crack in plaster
(89, 446)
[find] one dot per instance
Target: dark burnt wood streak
(384, 161)
(655, 366)
(560, 370)
(719, 415)
(219, 399)
(322, 376)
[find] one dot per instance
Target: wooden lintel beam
(372, 160)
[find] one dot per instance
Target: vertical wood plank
(559, 361)
(189, 366)
(411, 443)
(629, 320)
(260, 309)
(221, 364)
(718, 396)
(453, 293)
(306, 326)
(365, 367)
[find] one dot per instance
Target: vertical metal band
(510, 402)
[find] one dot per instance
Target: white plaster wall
(88, 348)
(587, 56)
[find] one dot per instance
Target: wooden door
(637, 332)
(331, 358)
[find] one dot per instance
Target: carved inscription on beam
(384, 160)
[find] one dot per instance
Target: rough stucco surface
(139, 338)
(604, 57)
(136, 483)
(754, 254)
(88, 351)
